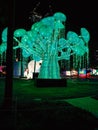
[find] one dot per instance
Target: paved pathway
(86, 103)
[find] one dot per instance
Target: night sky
(79, 13)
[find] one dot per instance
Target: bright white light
(32, 67)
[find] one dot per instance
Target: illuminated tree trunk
(50, 68)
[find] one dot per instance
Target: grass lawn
(35, 108)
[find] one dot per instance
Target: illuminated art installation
(44, 43)
(33, 67)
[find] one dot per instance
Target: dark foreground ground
(43, 108)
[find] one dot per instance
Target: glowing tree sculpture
(3, 45)
(42, 42)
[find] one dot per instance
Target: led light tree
(43, 42)
(79, 47)
(3, 45)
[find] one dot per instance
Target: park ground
(70, 107)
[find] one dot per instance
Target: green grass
(43, 108)
(27, 89)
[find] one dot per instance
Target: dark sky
(79, 13)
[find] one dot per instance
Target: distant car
(2, 70)
(83, 73)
